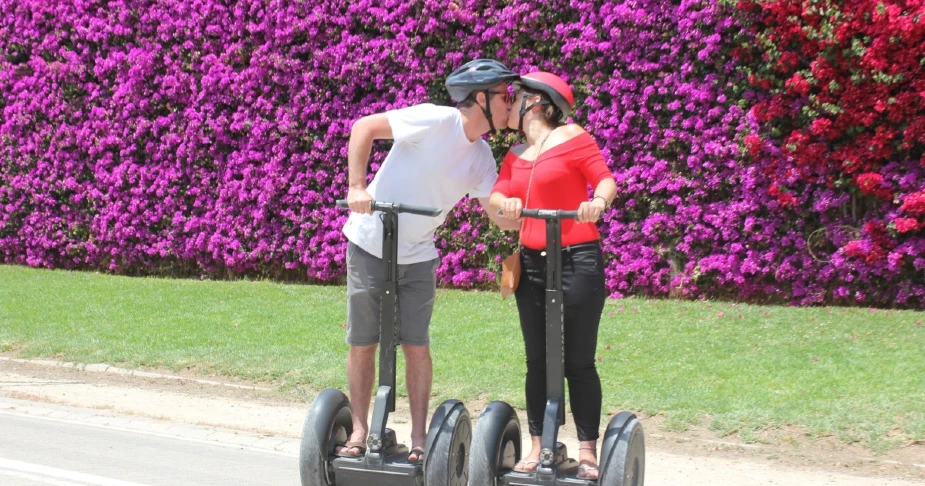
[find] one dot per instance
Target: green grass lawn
(855, 373)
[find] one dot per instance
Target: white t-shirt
(431, 163)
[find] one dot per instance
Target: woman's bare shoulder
(567, 132)
(572, 130)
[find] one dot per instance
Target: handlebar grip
(549, 214)
(407, 208)
(396, 208)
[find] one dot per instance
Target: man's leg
(417, 292)
(361, 371)
(419, 376)
(363, 287)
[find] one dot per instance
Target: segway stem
(555, 332)
(389, 305)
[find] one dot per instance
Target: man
(437, 158)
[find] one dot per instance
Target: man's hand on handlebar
(359, 201)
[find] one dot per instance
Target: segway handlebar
(390, 207)
(549, 214)
(559, 214)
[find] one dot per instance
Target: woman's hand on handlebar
(359, 200)
(590, 211)
(511, 208)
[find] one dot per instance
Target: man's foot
(416, 455)
(351, 449)
(526, 466)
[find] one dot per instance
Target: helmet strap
(524, 109)
(487, 110)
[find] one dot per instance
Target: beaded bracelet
(602, 198)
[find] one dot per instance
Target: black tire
(446, 462)
(327, 425)
(623, 453)
(496, 445)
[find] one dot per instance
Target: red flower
(872, 184)
(864, 250)
(905, 225)
(914, 204)
(783, 197)
(798, 84)
(820, 126)
(753, 144)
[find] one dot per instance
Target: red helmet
(555, 87)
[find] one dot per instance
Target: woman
(553, 170)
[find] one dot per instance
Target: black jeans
(583, 286)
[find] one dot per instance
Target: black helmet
(477, 75)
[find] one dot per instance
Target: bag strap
(529, 185)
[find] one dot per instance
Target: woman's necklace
(540, 148)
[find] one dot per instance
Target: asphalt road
(139, 433)
(56, 449)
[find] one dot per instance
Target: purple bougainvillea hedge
(209, 138)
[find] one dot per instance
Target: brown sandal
(341, 451)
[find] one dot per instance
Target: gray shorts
(417, 283)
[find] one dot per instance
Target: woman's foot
(588, 471)
(587, 460)
(529, 463)
(416, 455)
(526, 466)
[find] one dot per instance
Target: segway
(328, 423)
(496, 444)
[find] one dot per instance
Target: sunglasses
(505, 96)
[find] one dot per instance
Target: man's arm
(364, 131)
(492, 211)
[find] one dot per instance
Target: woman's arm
(591, 211)
(491, 205)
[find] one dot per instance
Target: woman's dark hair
(552, 115)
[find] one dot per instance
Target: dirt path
(694, 457)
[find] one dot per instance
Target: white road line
(36, 479)
(155, 434)
(72, 476)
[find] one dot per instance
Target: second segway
(496, 444)
(328, 423)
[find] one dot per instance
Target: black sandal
(418, 452)
(585, 468)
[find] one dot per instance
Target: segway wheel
(623, 453)
(495, 445)
(327, 425)
(446, 462)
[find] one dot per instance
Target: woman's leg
(531, 305)
(583, 279)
